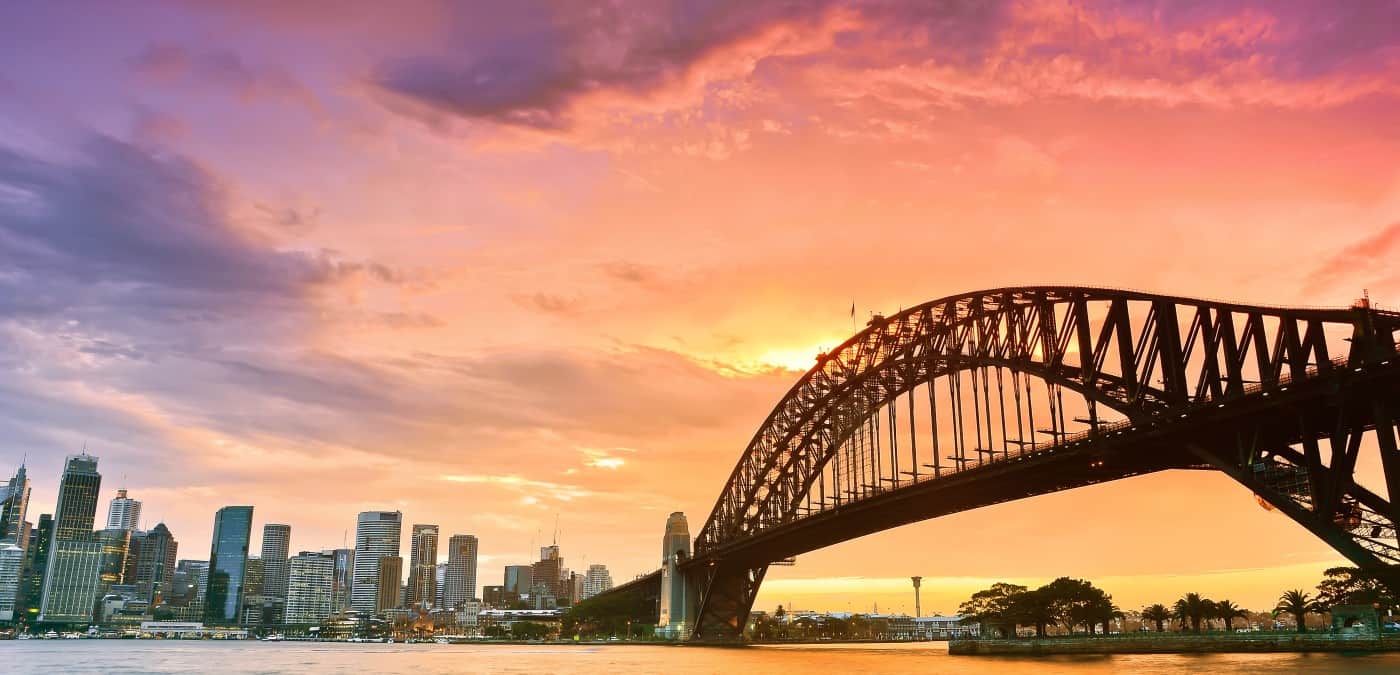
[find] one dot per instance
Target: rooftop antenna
(556, 529)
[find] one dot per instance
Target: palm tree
(1227, 611)
(1300, 605)
(1192, 607)
(1157, 614)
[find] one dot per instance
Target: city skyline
(355, 277)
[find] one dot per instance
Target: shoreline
(1177, 644)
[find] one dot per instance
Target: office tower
(112, 567)
(441, 581)
(14, 500)
(519, 579)
(494, 597)
(596, 581)
(11, 565)
(675, 549)
(190, 580)
(36, 559)
(124, 513)
(310, 587)
(340, 582)
(422, 567)
(254, 598)
(70, 578)
(387, 585)
(152, 563)
(459, 583)
(276, 542)
(228, 559)
(548, 573)
(376, 536)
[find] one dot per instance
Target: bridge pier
(726, 592)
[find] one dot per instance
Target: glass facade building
(75, 554)
(228, 558)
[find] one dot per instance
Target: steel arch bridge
(998, 395)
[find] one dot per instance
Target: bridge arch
(1133, 366)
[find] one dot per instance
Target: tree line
(1076, 603)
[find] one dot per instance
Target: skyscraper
(519, 579)
(548, 573)
(153, 563)
(422, 567)
(228, 558)
(340, 583)
(14, 501)
(276, 542)
(459, 583)
(387, 585)
(596, 581)
(36, 560)
(376, 536)
(310, 586)
(116, 549)
(11, 565)
(70, 578)
(124, 513)
(675, 549)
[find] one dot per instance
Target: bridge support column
(727, 592)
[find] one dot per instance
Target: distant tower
(918, 611)
(675, 549)
(276, 547)
(459, 584)
(70, 579)
(14, 502)
(376, 536)
(422, 567)
(228, 564)
(124, 513)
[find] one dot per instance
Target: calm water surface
(150, 656)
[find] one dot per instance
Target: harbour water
(73, 657)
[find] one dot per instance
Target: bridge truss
(998, 395)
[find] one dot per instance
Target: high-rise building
(548, 573)
(254, 602)
(459, 583)
(310, 586)
(11, 565)
(14, 501)
(519, 579)
(343, 576)
(190, 581)
(124, 513)
(152, 563)
(116, 552)
(596, 581)
(387, 585)
(276, 542)
(376, 536)
(228, 559)
(675, 549)
(75, 554)
(441, 581)
(422, 567)
(36, 560)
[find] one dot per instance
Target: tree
(1194, 608)
(1298, 604)
(1034, 608)
(1227, 611)
(1354, 586)
(1157, 614)
(529, 630)
(993, 607)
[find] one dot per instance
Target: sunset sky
(487, 263)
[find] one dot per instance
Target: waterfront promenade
(1156, 643)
